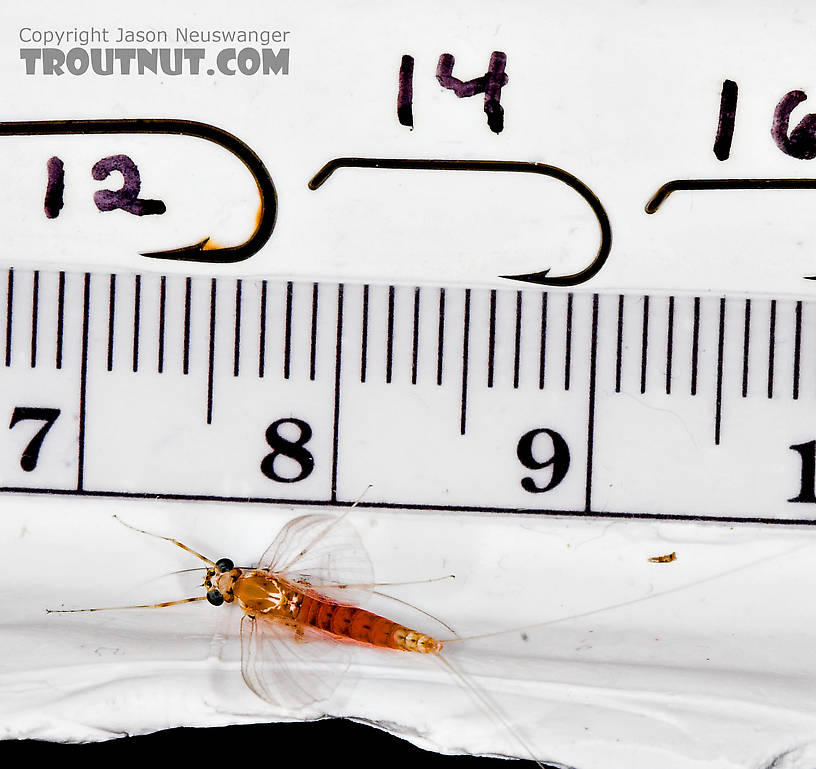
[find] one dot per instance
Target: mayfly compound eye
(224, 565)
(214, 597)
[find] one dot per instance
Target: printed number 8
(293, 449)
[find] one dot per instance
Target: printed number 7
(32, 452)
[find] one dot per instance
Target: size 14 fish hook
(542, 277)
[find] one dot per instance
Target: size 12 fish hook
(197, 252)
(542, 277)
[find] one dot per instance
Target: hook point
(191, 253)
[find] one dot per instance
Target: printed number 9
(559, 459)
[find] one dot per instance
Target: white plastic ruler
(566, 402)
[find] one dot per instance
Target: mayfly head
(219, 581)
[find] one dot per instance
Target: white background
(624, 96)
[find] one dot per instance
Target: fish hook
(542, 277)
(196, 252)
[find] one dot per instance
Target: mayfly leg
(416, 608)
(140, 606)
(364, 585)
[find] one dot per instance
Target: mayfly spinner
(300, 615)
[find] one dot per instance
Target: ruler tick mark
(542, 350)
(440, 344)
(695, 345)
(389, 337)
(60, 317)
(644, 345)
(593, 369)
(262, 331)
(771, 347)
(111, 317)
(338, 357)
(236, 345)
(313, 348)
(83, 381)
(568, 344)
(35, 297)
(211, 359)
(720, 355)
(465, 351)
(9, 314)
(669, 345)
(797, 349)
(746, 344)
(188, 301)
(619, 351)
(517, 349)
(491, 339)
(287, 333)
(415, 339)
(364, 336)
(162, 302)
(137, 310)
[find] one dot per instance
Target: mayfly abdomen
(362, 626)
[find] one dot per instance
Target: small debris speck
(664, 558)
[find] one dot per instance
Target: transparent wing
(323, 551)
(291, 666)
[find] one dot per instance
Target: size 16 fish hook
(542, 277)
(675, 185)
(725, 184)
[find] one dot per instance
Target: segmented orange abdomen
(362, 626)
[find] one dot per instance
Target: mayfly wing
(289, 665)
(324, 552)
